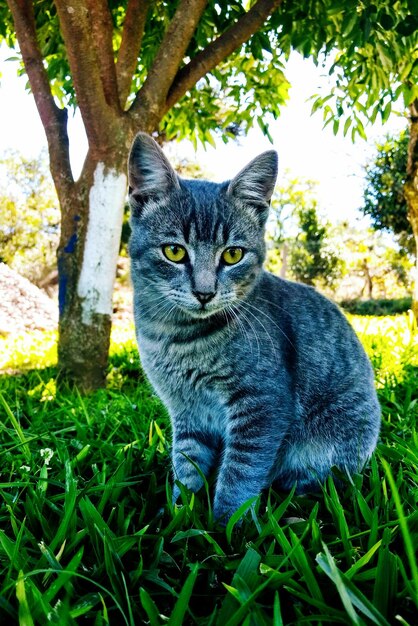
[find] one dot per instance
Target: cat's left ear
(255, 183)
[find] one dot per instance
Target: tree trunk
(285, 255)
(87, 258)
(411, 191)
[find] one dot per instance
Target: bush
(377, 307)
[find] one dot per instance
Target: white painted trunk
(98, 271)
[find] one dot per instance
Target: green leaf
(364, 560)
(247, 571)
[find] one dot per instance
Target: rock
(23, 306)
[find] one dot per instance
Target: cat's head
(196, 247)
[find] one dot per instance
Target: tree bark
(87, 257)
(411, 190)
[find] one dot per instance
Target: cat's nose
(204, 296)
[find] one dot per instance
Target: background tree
(375, 71)
(29, 216)
(299, 243)
(374, 265)
(129, 66)
(311, 259)
(384, 192)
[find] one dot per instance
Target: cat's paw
(175, 494)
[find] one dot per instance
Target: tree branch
(102, 35)
(54, 119)
(133, 30)
(170, 54)
(77, 33)
(220, 49)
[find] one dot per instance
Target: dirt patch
(23, 306)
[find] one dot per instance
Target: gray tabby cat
(264, 379)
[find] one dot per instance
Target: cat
(264, 379)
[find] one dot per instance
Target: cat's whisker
(158, 307)
(156, 303)
(276, 306)
(243, 304)
(248, 321)
(241, 327)
(270, 319)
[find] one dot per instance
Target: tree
(375, 68)
(296, 232)
(311, 259)
(384, 193)
(291, 196)
(374, 266)
(180, 68)
(29, 216)
(183, 68)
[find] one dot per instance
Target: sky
(304, 147)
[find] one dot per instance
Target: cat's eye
(231, 256)
(175, 253)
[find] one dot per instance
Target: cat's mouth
(201, 312)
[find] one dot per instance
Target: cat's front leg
(250, 456)
(191, 449)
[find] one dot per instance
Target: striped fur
(265, 383)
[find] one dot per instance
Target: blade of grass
(386, 573)
(63, 576)
(235, 517)
(25, 617)
(364, 560)
(182, 604)
(17, 428)
(350, 595)
(409, 546)
(277, 615)
(149, 607)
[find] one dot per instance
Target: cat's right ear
(150, 174)
(254, 185)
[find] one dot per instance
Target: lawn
(88, 534)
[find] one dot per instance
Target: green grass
(88, 534)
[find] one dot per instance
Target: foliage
(250, 81)
(375, 67)
(29, 216)
(373, 44)
(242, 90)
(88, 533)
(384, 199)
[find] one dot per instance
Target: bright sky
(304, 147)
